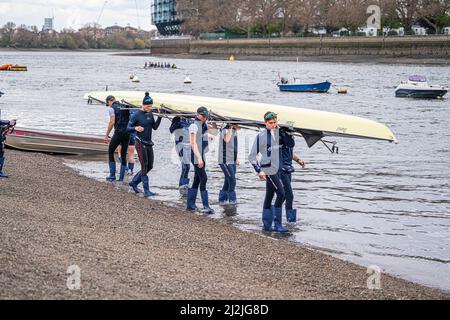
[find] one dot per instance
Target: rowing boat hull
(56, 142)
(316, 87)
(304, 120)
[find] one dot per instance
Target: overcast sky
(76, 13)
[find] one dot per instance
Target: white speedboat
(418, 87)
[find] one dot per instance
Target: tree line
(286, 17)
(91, 37)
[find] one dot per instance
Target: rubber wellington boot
(130, 168)
(112, 172)
(277, 215)
(184, 186)
(191, 198)
(134, 183)
(267, 218)
(2, 162)
(145, 183)
(232, 198)
(123, 170)
(205, 201)
(291, 215)
(223, 197)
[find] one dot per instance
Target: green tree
(139, 43)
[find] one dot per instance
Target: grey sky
(75, 13)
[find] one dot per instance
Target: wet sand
(129, 247)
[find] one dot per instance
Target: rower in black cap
(198, 133)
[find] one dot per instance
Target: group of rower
(271, 156)
(159, 65)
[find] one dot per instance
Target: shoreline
(424, 60)
(129, 247)
(326, 59)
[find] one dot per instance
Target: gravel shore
(128, 247)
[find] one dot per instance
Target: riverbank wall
(411, 47)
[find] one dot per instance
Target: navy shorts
(132, 140)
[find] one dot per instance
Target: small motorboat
(418, 87)
(12, 67)
(320, 87)
(56, 142)
(1, 93)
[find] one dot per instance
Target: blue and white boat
(284, 85)
(418, 87)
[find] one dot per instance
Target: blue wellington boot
(205, 201)
(223, 197)
(277, 216)
(267, 218)
(112, 172)
(291, 215)
(145, 183)
(191, 198)
(184, 182)
(184, 186)
(130, 168)
(2, 161)
(123, 170)
(134, 183)
(232, 198)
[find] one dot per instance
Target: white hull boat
(418, 87)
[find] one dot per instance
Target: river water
(374, 203)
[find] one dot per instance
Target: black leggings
(123, 140)
(146, 157)
(274, 185)
(200, 177)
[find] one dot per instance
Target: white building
(318, 32)
(419, 31)
(368, 31)
(341, 32)
(394, 31)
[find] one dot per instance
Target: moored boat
(320, 87)
(13, 67)
(418, 87)
(56, 142)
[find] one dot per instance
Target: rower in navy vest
(180, 129)
(228, 162)
(287, 154)
(198, 133)
(118, 119)
(267, 146)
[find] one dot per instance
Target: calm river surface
(374, 203)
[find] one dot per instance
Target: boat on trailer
(418, 87)
(56, 142)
